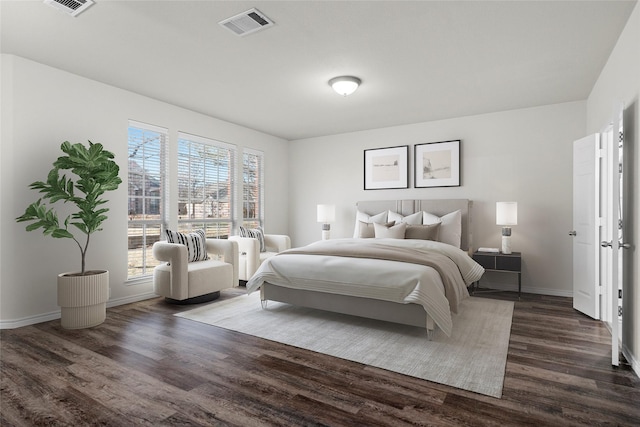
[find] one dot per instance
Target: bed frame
(406, 314)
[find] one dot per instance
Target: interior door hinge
(619, 311)
(600, 290)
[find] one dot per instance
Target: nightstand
(496, 261)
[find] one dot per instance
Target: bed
(413, 281)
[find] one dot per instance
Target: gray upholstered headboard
(438, 207)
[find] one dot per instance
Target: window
(252, 188)
(205, 185)
(147, 195)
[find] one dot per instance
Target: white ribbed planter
(83, 299)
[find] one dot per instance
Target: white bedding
(393, 281)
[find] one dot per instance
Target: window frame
(159, 202)
(218, 226)
(258, 220)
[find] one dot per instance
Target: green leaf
(35, 225)
(81, 227)
(61, 233)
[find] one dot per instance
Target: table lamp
(506, 215)
(326, 214)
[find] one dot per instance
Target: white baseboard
(635, 364)
(129, 300)
(526, 289)
(46, 317)
(30, 320)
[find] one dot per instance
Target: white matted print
(386, 168)
(437, 164)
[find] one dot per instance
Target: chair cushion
(195, 243)
(256, 233)
(203, 277)
(209, 276)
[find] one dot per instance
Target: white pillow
(393, 232)
(380, 218)
(450, 226)
(413, 219)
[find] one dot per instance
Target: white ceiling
(418, 60)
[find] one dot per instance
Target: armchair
(185, 282)
(250, 256)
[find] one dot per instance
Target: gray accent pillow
(366, 230)
(383, 231)
(423, 232)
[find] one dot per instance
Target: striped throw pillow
(255, 233)
(195, 243)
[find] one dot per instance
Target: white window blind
(252, 188)
(147, 168)
(205, 185)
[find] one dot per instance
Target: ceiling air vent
(70, 7)
(247, 22)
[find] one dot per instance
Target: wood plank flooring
(144, 366)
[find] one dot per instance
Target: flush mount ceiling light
(345, 85)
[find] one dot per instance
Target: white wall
(41, 108)
(619, 82)
(520, 155)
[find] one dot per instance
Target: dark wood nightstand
(497, 261)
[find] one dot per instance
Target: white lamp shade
(507, 213)
(345, 85)
(326, 213)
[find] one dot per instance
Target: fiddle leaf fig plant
(95, 173)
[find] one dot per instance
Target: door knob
(572, 233)
(624, 245)
(605, 244)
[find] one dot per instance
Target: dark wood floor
(144, 366)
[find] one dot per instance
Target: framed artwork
(437, 164)
(386, 168)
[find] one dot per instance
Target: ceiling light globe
(345, 85)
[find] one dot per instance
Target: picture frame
(437, 164)
(386, 168)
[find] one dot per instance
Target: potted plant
(82, 296)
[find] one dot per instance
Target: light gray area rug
(473, 358)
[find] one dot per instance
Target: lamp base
(506, 245)
(326, 231)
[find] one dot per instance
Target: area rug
(473, 358)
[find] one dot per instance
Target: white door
(616, 222)
(586, 178)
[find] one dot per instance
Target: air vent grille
(247, 22)
(70, 7)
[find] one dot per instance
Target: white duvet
(393, 281)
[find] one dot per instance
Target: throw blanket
(395, 281)
(445, 266)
